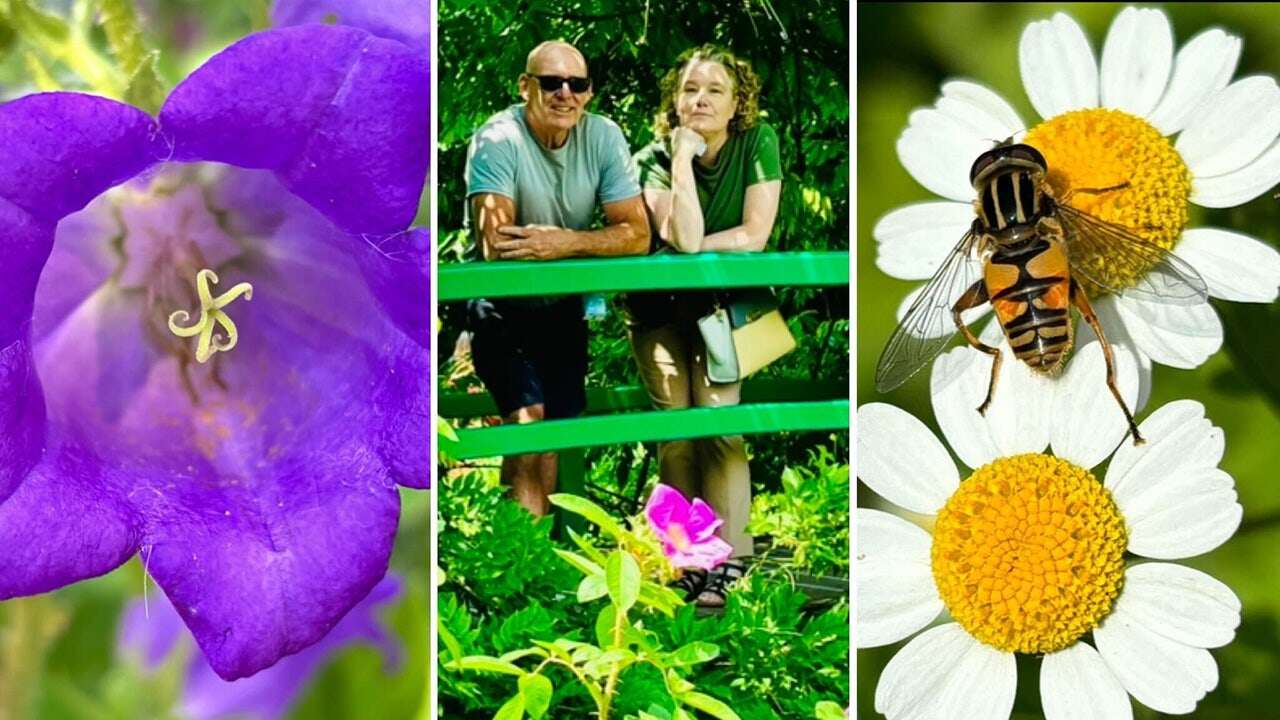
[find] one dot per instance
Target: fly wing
(927, 327)
(1109, 256)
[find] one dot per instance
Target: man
(535, 174)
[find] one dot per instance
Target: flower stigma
(211, 315)
(1100, 148)
(1028, 553)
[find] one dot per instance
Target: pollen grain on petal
(1028, 553)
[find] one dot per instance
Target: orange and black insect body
(1025, 254)
(1027, 274)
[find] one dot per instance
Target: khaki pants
(672, 362)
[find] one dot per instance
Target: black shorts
(530, 354)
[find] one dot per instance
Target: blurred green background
(58, 655)
(904, 53)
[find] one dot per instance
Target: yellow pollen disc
(679, 537)
(1099, 148)
(211, 317)
(1028, 553)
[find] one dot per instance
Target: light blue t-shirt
(560, 187)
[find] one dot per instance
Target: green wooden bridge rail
(768, 405)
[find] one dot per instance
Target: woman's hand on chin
(686, 143)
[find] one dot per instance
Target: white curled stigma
(211, 315)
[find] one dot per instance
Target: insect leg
(1081, 301)
(1094, 191)
(972, 298)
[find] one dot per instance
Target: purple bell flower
(260, 485)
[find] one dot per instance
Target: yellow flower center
(1028, 553)
(211, 316)
(1097, 148)
(679, 537)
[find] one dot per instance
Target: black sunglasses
(553, 83)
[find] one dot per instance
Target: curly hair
(746, 89)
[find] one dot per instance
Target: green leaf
(605, 662)
(450, 642)
(139, 63)
(590, 550)
(584, 565)
(515, 655)
(444, 429)
(513, 709)
(589, 510)
(487, 663)
(604, 625)
(827, 710)
(622, 576)
(592, 587)
(537, 691)
(708, 705)
(694, 653)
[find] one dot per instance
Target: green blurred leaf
(708, 705)
(537, 691)
(622, 576)
(512, 710)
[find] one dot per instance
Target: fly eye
(982, 163)
(1030, 154)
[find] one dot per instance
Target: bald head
(556, 57)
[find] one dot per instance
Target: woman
(711, 184)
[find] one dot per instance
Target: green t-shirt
(746, 159)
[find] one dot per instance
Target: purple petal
(270, 693)
(397, 269)
(666, 505)
(341, 116)
(61, 151)
(408, 21)
(64, 523)
(706, 555)
(22, 416)
(702, 521)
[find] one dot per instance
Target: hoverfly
(1025, 254)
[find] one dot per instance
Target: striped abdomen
(1030, 290)
(1009, 199)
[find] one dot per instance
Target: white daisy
(1103, 127)
(1028, 552)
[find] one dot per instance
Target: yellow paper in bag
(761, 342)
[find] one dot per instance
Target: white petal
(1087, 421)
(946, 673)
(1203, 66)
(1121, 344)
(1241, 186)
(1234, 266)
(938, 150)
(979, 106)
(1136, 59)
(896, 593)
(1180, 603)
(1232, 127)
(1160, 673)
(913, 240)
(1179, 439)
(1018, 419)
(1181, 336)
(1075, 684)
(1058, 68)
(1174, 499)
(901, 460)
(1183, 515)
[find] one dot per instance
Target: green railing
(767, 405)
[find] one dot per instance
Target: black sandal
(719, 581)
(691, 583)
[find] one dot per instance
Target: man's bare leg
(527, 475)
